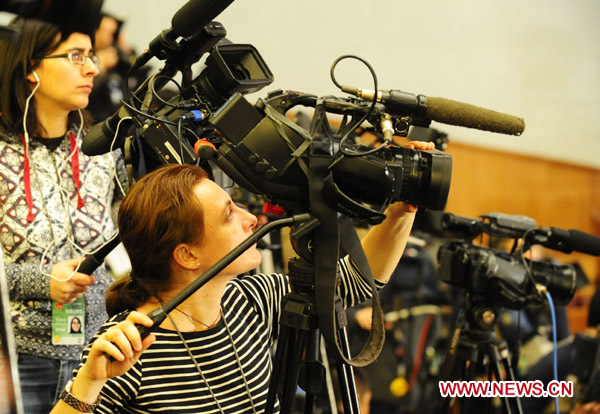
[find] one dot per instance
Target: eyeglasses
(75, 56)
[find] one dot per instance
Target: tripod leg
(508, 367)
(294, 327)
(346, 378)
(290, 381)
(456, 368)
(331, 399)
(313, 371)
(495, 358)
(278, 367)
(475, 359)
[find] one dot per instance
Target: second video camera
(503, 278)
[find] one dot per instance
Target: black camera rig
(260, 149)
(508, 279)
(493, 278)
(319, 173)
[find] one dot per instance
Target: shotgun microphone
(188, 21)
(443, 110)
(567, 241)
(466, 115)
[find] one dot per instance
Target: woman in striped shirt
(211, 354)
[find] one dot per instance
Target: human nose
(90, 68)
(250, 220)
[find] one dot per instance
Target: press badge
(68, 322)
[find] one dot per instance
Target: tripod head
(479, 316)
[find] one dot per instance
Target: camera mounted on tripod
(503, 278)
(493, 278)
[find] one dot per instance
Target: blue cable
(555, 353)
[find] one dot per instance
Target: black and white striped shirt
(165, 379)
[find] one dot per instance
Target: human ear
(33, 77)
(184, 255)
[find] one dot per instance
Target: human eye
(77, 56)
(229, 212)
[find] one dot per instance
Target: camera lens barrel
(558, 279)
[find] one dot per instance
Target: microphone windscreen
(452, 112)
(195, 14)
(584, 242)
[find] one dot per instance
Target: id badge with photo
(68, 322)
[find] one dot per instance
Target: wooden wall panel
(552, 193)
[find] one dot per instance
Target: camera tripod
(299, 336)
(474, 351)
(312, 308)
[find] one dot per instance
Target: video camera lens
(559, 280)
(420, 177)
(425, 177)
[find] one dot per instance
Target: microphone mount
(161, 47)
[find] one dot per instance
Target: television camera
(508, 279)
(259, 147)
(264, 152)
(494, 278)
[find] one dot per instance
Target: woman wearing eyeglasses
(56, 202)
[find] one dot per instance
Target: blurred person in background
(114, 80)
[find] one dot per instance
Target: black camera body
(502, 278)
(266, 153)
(229, 68)
(497, 277)
(211, 123)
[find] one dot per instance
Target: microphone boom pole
(94, 260)
(158, 315)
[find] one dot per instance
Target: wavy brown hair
(159, 212)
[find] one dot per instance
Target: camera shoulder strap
(327, 252)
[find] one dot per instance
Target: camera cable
(154, 118)
(353, 126)
(554, 341)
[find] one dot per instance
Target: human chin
(257, 259)
(251, 260)
(79, 103)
